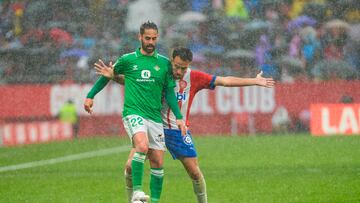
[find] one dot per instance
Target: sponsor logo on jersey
(145, 76)
(181, 96)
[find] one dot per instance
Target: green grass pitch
(293, 168)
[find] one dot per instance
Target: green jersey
(145, 79)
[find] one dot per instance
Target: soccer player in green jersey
(189, 82)
(147, 74)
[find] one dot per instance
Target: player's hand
(88, 105)
(265, 82)
(181, 125)
(104, 70)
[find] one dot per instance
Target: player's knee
(157, 163)
(142, 147)
(195, 174)
(160, 162)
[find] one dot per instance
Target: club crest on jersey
(182, 84)
(187, 140)
(157, 68)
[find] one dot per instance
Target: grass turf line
(297, 168)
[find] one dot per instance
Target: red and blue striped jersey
(185, 91)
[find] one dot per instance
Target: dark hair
(184, 53)
(148, 25)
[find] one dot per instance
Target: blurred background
(48, 48)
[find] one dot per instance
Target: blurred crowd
(57, 41)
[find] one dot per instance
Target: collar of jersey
(138, 53)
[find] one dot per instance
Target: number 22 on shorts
(136, 121)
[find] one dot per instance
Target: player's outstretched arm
(108, 72)
(231, 81)
(98, 86)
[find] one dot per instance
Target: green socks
(134, 180)
(137, 172)
(156, 181)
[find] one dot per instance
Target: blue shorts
(179, 146)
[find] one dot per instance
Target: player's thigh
(135, 126)
(156, 135)
(140, 141)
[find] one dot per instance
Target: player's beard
(147, 48)
(177, 76)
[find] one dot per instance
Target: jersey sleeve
(170, 97)
(98, 86)
(120, 66)
(171, 101)
(201, 80)
(169, 81)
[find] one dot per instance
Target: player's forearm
(235, 81)
(172, 102)
(98, 86)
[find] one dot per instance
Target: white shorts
(154, 131)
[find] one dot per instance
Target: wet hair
(148, 25)
(184, 53)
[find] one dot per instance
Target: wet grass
(292, 168)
